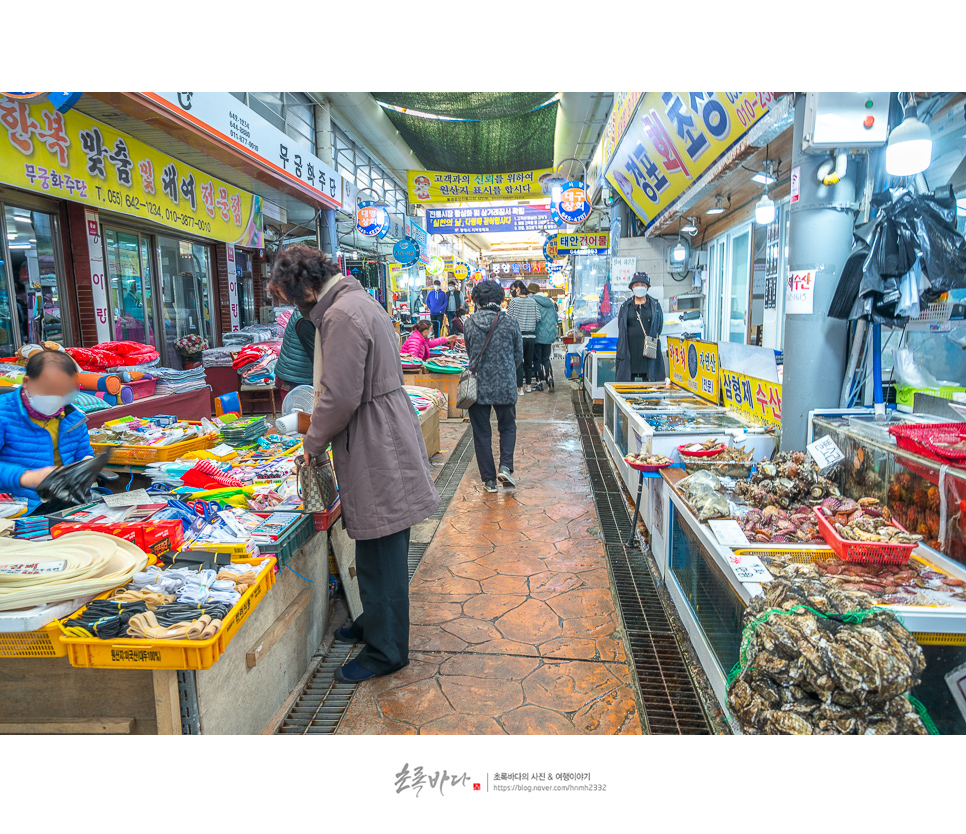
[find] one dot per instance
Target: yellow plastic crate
(44, 642)
(238, 551)
(131, 653)
(140, 455)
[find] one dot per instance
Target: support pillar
(820, 239)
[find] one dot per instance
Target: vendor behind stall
(39, 429)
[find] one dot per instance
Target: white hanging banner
(95, 255)
(233, 288)
(800, 293)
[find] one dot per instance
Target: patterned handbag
(317, 486)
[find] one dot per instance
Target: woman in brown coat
(385, 481)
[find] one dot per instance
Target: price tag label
(749, 568)
(728, 533)
(826, 453)
(33, 568)
(128, 499)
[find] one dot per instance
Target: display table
(240, 694)
(447, 383)
(191, 405)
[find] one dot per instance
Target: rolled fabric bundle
(126, 395)
(109, 383)
(103, 395)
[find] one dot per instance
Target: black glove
(71, 484)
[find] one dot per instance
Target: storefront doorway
(32, 299)
(160, 289)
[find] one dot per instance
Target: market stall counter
(189, 405)
(712, 583)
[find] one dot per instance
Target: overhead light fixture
(679, 253)
(765, 210)
(691, 227)
(717, 208)
(763, 178)
(909, 151)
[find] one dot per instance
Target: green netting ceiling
(505, 134)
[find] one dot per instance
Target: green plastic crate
(291, 541)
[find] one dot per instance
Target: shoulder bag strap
(489, 335)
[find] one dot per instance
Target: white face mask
(47, 404)
(640, 292)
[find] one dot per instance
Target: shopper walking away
(385, 482)
(639, 316)
(496, 367)
(294, 366)
(419, 343)
(436, 304)
(526, 311)
(454, 299)
(546, 335)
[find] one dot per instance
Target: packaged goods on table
(39, 573)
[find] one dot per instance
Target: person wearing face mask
(640, 315)
(436, 301)
(39, 428)
(362, 410)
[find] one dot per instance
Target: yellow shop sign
(694, 365)
(74, 157)
(445, 187)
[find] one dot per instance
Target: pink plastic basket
(142, 388)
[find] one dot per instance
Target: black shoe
(490, 486)
(353, 672)
(550, 383)
(345, 635)
(538, 386)
(505, 477)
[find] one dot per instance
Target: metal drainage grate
(668, 697)
(324, 701)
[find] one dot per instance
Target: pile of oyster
(806, 674)
(703, 492)
(791, 479)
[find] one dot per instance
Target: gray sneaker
(505, 477)
(490, 486)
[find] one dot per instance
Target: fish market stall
(789, 536)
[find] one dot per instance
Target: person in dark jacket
(496, 370)
(295, 358)
(454, 298)
(639, 315)
(385, 482)
(436, 301)
(456, 326)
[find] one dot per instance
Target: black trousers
(437, 319)
(382, 566)
(506, 422)
(541, 359)
(525, 369)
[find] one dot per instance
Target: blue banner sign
(482, 219)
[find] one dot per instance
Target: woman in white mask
(639, 316)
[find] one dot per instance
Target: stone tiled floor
(513, 625)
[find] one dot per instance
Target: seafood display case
(711, 599)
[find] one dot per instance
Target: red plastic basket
(930, 439)
(648, 467)
(868, 552)
(142, 388)
(323, 521)
(705, 453)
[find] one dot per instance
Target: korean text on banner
(594, 241)
(475, 219)
(95, 254)
(672, 139)
(800, 293)
(443, 187)
(414, 229)
(74, 157)
(694, 365)
(617, 122)
(233, 288)
(756, 398)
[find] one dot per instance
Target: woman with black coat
(640, 315)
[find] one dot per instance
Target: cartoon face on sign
(421, 187)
